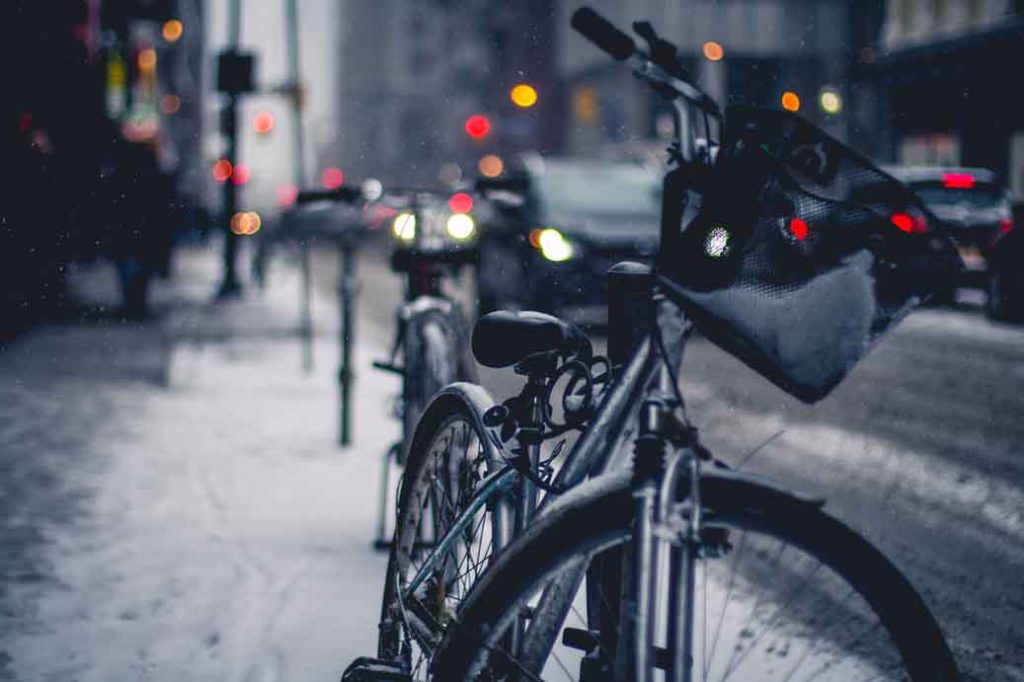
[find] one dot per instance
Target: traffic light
(478, 126)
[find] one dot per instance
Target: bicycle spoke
(794, 594)
(728, 594)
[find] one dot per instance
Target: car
(977, 210)
(558, 225)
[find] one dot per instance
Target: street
(175, 507)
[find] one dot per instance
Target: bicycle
(430, 328)
(760, 217)
(430, 337)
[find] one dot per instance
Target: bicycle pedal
(586, 641)
(367, 669)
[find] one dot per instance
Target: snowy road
(180, 511)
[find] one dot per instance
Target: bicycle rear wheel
(448, 458)
(434, 357)
(783, 592)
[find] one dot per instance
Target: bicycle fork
(657, 532)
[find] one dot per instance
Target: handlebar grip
(344, 194)
(602, 33)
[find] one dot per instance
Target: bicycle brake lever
(663, 52)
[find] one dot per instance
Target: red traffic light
(478, 126)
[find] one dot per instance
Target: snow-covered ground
(221, 534)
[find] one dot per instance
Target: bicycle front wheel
(782, 592)
(449, 458)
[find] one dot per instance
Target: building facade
(946, 76)
(741, 51)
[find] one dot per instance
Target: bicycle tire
(601, 518)
(457, 404)
(433, 358)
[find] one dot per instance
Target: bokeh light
(491, 166)
(263, 122)
(830, 101)
(241, 174)
(790, 101)
(523, 95)
(286, 195)
(713, 51)
(170, 104)
(172, 30)
(477, 126)
(460, 203)
(332, 178)
(147, 59)
(245, 223)
(222, 170)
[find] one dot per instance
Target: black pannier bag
(802, 253)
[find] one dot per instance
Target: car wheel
(1005, 296)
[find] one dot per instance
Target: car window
(979, 196)
(613, 189)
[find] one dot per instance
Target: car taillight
(958, 181)
(1005, 225)
(911, 224)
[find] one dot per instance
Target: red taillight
(911, 224)
(798, 228)
(460, 203)
(958, 180)
(1005, 225)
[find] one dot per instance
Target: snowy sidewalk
(216, 532)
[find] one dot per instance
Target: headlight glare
(553, 245)
(460, 226)
(404, 226)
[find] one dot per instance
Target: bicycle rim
(447, 475)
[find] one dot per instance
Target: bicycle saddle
(504, 338)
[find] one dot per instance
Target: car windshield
(979, 196)
(609, 189)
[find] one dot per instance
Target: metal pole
(299, 176)
(230, 285)
(346, 294)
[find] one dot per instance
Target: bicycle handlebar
(603, 33)
(345, 194)
(660, 68)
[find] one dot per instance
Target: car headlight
(460, 226)
(404, 226)
(552, 244)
